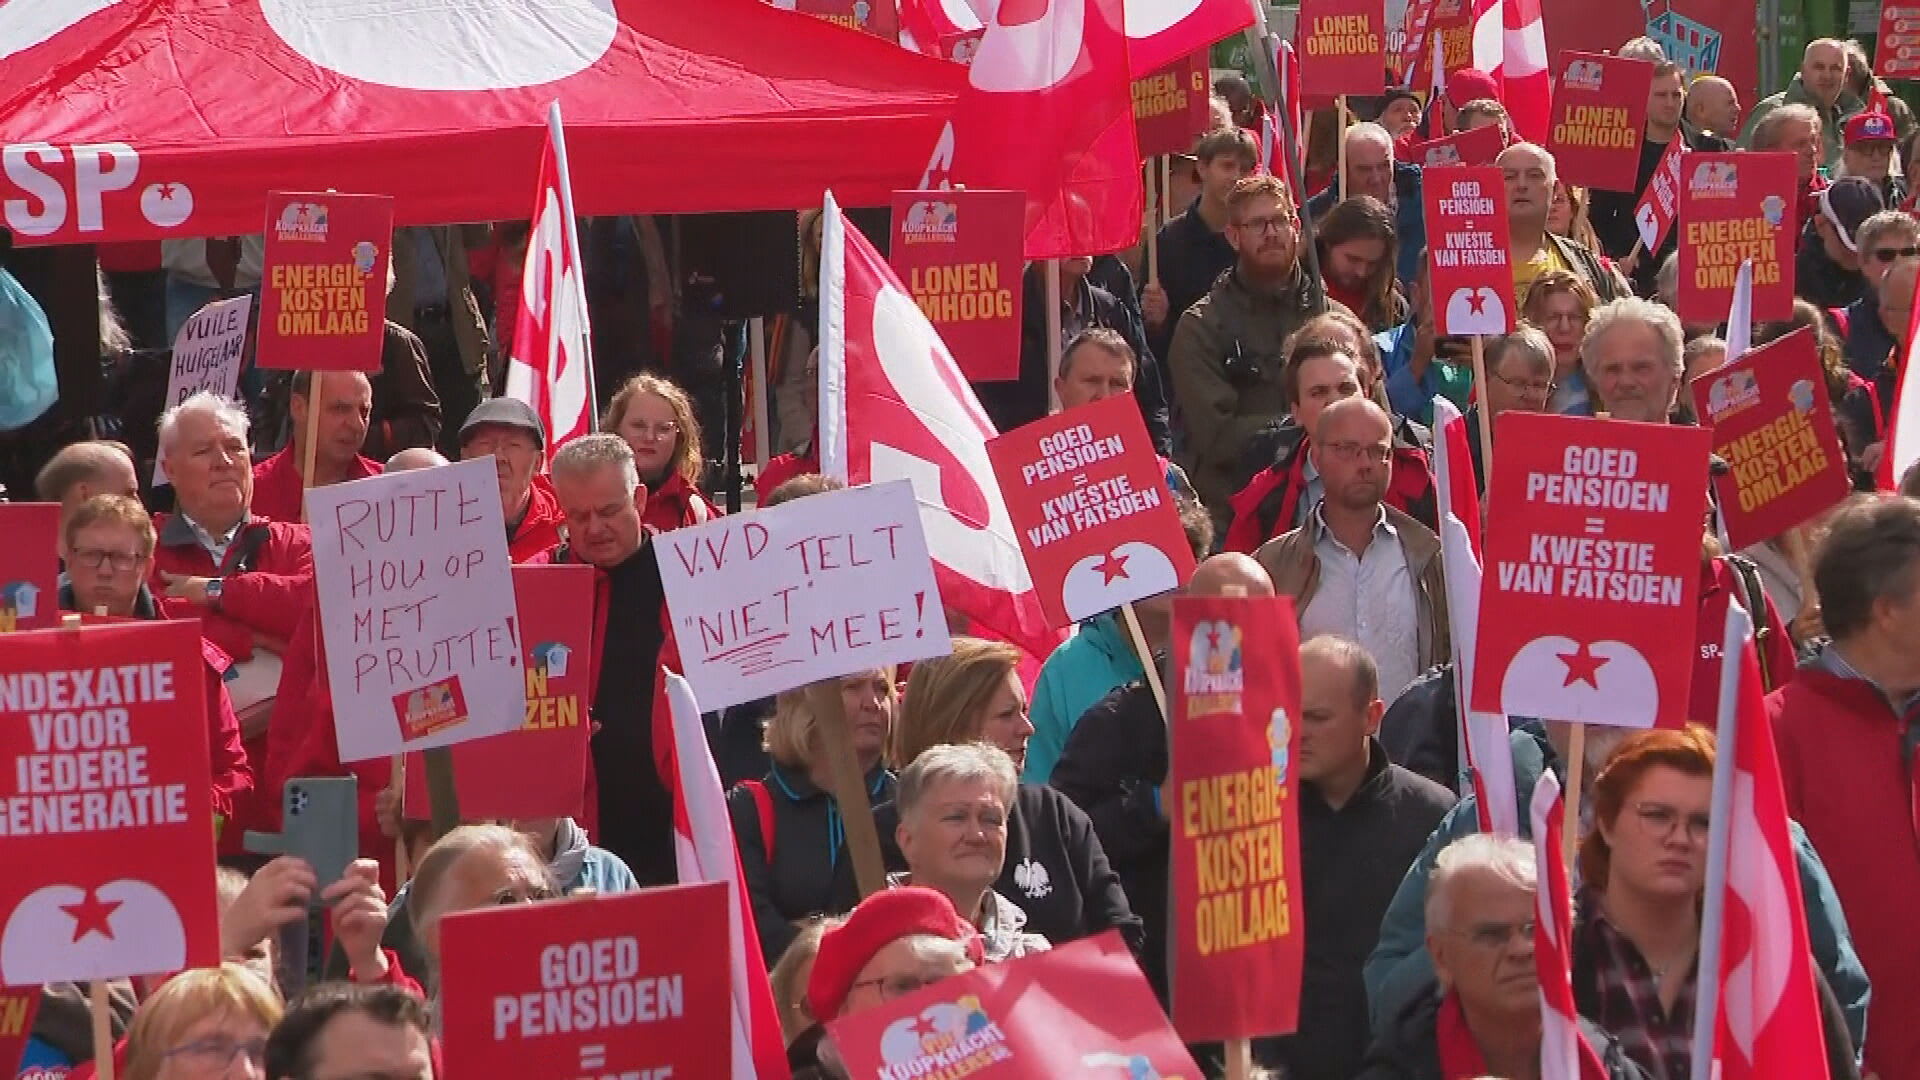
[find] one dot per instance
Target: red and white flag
(1276, 156)
(1048, 110)
(1902, 443)
(551, 366)
(1162, 31)
(1510, 44)
(947, 29)
(1565, 1053)
(1768, 1007)
(704, 851)
(1486, 749)
(893, 406)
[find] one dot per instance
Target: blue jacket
(1086, 667)
(1412, 398)
(1400, 969)
(1410, 217)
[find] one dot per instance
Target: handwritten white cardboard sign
(417, 609)
(206, 356)
(813, 589)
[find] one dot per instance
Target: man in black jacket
(1084, 306)
(1362, 822)
(1115, 762)
(1193, 247)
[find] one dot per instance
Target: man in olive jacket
(1228, 351)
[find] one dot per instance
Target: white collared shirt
(1369, 598)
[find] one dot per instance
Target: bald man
(1713, 107)
(85, 469)
(416, 457)
(1116, 760)
(1529, 173)
(1820, 84)
(1359, 568)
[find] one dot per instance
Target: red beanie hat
(1471, 84)
(879, 921)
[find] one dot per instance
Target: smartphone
(320, 822)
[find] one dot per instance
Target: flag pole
(558, 133)
(1706, 1013)
(1055, 327)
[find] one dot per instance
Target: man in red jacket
(1848, 729)
(245, 578)
(346, 404)
(599, 488)
(511, 431)
(108, 542)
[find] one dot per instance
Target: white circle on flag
(24, 23)
(1146, 18)
(447, 44)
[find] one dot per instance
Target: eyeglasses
(1660, 820)
(1266, 224)
(1887, 255)
(1496, 935)
(217, 1052)
(1358, 451)
(1526, 386)
(508, 897)
(655, 432)
(95, 558)
(890, 987)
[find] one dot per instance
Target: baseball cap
(507, 412)
(878, 921)
(1849, 201)
(1869, 127)
(1471, 84)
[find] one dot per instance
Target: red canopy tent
(136, 119)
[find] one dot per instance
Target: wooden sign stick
(849, 786)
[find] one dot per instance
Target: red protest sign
(1600, 119)
(1734, 208)
(1452, 25)
(1896, 55)
(1231, 794)
(1468, 249)
(1085, 1011)
(634, 985)
(879, 19)
(1653, 215)
(959, 253)
(323, 292)
(1773, 426)
(1477, 146)
(1170, 106)
(1089, 501)
(540, 770)
(1343, 46)
(17, 1010)
(29, 566)
(106, 828)
(1587, 605)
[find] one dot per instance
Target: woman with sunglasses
(473, 866)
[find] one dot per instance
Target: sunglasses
(1887, 255)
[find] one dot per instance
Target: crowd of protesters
(1016, 815)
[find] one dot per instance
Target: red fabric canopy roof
(133, 119)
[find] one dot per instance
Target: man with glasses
(1352, 799)
(1883, 239)
(1484, 1016)
(1827, 262)
(1870, 146)
(108, 542)
(1228, 352)
(1359, 568)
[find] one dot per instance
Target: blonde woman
(656, 419)
(792, 838)
(200, 1023)
(1055, 868)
